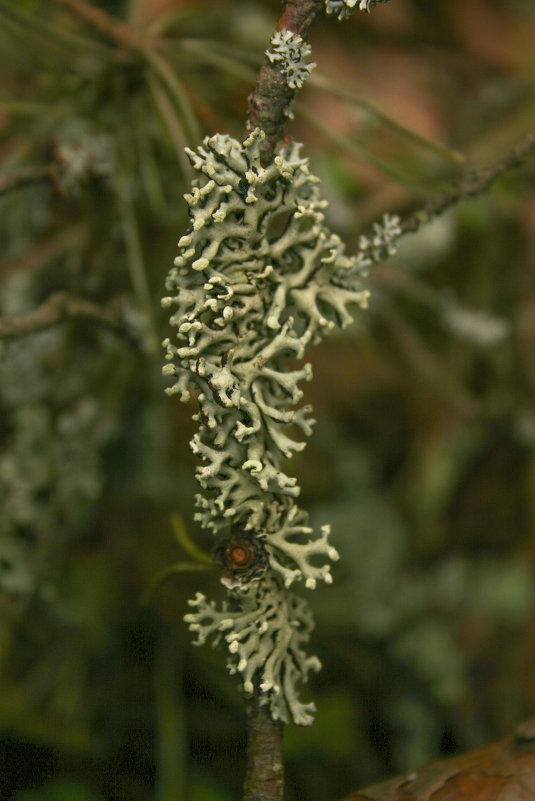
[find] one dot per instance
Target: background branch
(476, 184)
(264, 779)
(25, 177)
(121, 32)
(57, 309)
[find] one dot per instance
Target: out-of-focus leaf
(321, 81)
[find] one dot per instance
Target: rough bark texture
(271, 96)
(264, 779)
(501, 771)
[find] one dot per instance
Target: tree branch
(57, 309)
(264, 780)
(380, 244)
(25, 177)
(476, 184)
(271, 95)
(121, 32)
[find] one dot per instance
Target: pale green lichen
(258, 278)
(265, 643)
(381, 243)
(290, 52)
(248, 296)
(344, 8)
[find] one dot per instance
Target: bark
(264, 779)
(60, 308)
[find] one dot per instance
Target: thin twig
(26, 176)
(145, 47)
(271, 95)
(268, 102)
(477, 184)
(264, 780)
(57, 309)
(136, 261)
(172, 124)
(120, 32)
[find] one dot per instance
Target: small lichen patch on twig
(344, 8)
(290, 52)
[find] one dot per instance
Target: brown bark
(271, 96)
(264, 779)
(501, 771)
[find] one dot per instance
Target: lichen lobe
(258, 278)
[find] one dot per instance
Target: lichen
(344, 8)
(258, 278)
(248, 297)
(290, 52)
(265, 644)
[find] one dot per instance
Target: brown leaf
(501, 771)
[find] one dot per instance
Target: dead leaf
(501, 771)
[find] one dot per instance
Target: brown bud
(239, 555)
(243, 557)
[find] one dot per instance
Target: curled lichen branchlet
(290, 52)
(258, 278)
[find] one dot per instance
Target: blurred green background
(423, 455)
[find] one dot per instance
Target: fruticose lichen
(258, 278)
(344, 8)
(290, 51)
(265, 642)
(382, 242)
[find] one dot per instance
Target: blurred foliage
(423, 455)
